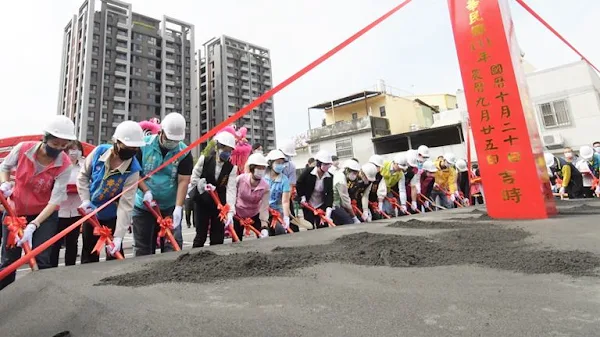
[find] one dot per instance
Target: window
(137, 36)
(95, 50)
(382, 111)
(151, 51)
(92, 103)
(122, 68)
(137, 48)
(103, 130)
(107, 65)
(93, 89)
(354, 115)
(108, 54)
(137, 71)
(108, 41)
(104, 106)
(152, 40)
(151, 74)
(137, 94)
(106, 77)
(96, 26)
(104, 115)
(94, 63)
(109, 29)
(315, 148)
(94, 76)
(555, 114)
(96, 38)
(343, 148)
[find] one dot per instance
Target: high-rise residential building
(119, 65)
(232, 74)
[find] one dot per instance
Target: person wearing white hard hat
(289, 150)
(214, 172)
(587, 154)
(393, 175)
(108, 170)
(315, 186)
(413, 179)
(343, 213)
(427, 184)
(589, 166)
(571, 178)
(377, 160)
(281, 191)
(377, 191)
(463, 180)
(553, 175)
(39, 186)
(445, 187)
(422, 154)
(166, 188)
(252, 195)
(360, 188)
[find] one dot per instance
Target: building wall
(361, 108)
(362, 148)
(442, 101)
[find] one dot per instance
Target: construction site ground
(447, 273)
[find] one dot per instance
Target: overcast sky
(412, 51)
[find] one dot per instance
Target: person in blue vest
(107, 171)
(167, 187)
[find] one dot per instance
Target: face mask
(597, 149)
(259, 174)
(51, 152)
(169, 144)
(278, 168)
(74, 155)
(569, 155)
(258, 151)
(224, 155)
(124, 153)
(352, 176)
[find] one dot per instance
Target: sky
(412, 51)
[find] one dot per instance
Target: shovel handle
(11, 212)
(95, 223)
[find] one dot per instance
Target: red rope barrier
(13, 267)
(547, 25)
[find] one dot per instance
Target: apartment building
(119, 65)
(232, 74)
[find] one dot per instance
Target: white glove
(210, 187)
(426, 204)
(264, 233)
(328, 213)
(403, 209)
(452, 197)
(27, 235)
(286, 222)
(413, 205)
(597, 189)
(303, 200)
(6, 188)
(116, 246)
(366, 215)
(380, 206)
(418, 187)
(436, 186)
(201, 186)
(355, 219)
(229, 221)
(457, 194)
(177, 216)
(87, 206)
(148, 197)
(562, 190)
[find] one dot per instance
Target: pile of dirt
(420, 224)
(490, 246)
(581, 209)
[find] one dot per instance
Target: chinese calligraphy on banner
(514, 184)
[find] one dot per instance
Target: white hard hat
(401, 160)
(586, 152)
(461, 165)
(376, 160)
(61, 127)
(429, 166)
(549, 158)
(174, 126)
(257, 159)
(370, 171)
(275, 154)
(450, 158)
(288, 148)
(225, 138)
(423, 151)
(411, 158)
(583, 167)
(352, 165)
(323, 157)
(130, 134)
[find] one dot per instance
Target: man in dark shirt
(166, 187)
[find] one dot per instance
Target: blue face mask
(224, 155)
(278, 168)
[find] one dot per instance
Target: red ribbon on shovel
(247, 223)
(396, 205)
(356, 209)
(318, 212)
(15, 225)
(223, 211)
(375, 207)
(275, 218)
(165, 224)
(104, 233)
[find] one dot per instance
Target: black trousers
(315, 220)
(207, 216)
(239, 229)
(293, 214)
(189, 208)
(89, 241)
(70, 241)
(145, 232)
(588, 192)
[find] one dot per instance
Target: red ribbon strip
(104, 234)
(14, 226)
(375, 207)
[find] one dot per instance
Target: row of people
(575, 176)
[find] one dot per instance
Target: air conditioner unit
(554, 141)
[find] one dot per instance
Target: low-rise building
(439, 102)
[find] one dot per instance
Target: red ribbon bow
(104, 234)
(164, 224)
(14, 224)
(223, 211)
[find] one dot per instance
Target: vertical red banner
(509, 150)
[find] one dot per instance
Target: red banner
(506, 137)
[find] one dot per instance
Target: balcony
(120, 73)
(376, 125)
(171, 83)
(123, 24)
(121, 61)
(170, 71)
(169, 37)
(169, 60)
(119, 111)
(120, 99)
(169, 94)
(122, 37)
(121, 85)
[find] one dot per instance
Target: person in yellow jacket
(393, 175)
(445, 186)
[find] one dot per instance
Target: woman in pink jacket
(252, 201)
(39, 186)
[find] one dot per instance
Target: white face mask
(352, 176)
(259, 174)
(74, 155)
(569, 155)
(258, 151)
